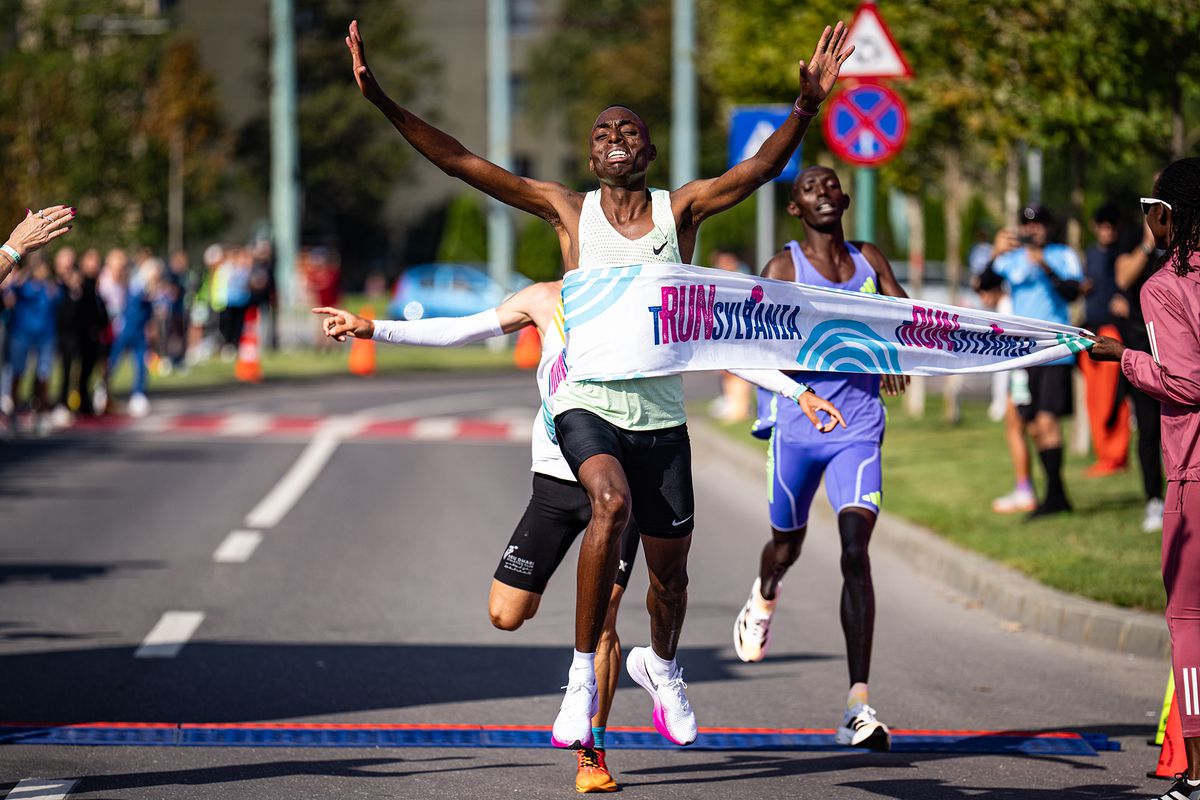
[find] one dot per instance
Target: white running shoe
(1015, 502)
(1152, 521)
(139, 406)
(61, 417)
(673, 715)
(573, 725)
(751, 629)
(859, 728)
(100, 398)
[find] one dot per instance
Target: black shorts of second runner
(657, 464)
(1049, 391)
(557, 513)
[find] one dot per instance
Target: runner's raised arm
(698, 200)
(542, 198)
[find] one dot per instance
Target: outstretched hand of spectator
(339, 323)
(40, 227)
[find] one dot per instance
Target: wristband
(800, 113)
(13, 254)
(801, 389)
(1147, 249)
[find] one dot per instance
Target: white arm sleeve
(773, 381)
(440, 331)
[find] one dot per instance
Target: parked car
(448, 290)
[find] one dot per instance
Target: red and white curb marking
(278, 426)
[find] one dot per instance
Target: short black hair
(1108, 213)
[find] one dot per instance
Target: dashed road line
(237, 547)
(41, 789)
(170, 634)
(294, 483)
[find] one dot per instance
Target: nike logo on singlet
(658, 250)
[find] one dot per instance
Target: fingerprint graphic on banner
(844, 345)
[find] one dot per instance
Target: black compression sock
(1056, 495)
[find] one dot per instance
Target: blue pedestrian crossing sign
(749, 128)
(866, 125)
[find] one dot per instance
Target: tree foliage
(1103, 87)
(79, 125)
(350, 158)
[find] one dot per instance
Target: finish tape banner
(659, 319)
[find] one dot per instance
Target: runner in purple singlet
(847, 458)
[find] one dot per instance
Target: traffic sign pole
(764, 225)
(864, 203)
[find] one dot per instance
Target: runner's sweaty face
(818, 199)
(621, 150)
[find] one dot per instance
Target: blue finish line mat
(382, 735)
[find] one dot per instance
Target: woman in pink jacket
(1170, 372)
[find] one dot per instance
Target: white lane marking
(237, 547)
(41, 789)
(245, 424)
(168, 637)
(295, 482)
(436, 428)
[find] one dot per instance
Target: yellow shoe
(593, 775)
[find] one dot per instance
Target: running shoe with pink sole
(673, 715)
(573, 726)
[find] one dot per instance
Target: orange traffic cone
(248, 368)
(1172, 760)
(528, 351)
(362, 351)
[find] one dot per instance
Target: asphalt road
(363, 601)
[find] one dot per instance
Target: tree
(618, 51)
(79, 124)
(350, 158)
(464, 237)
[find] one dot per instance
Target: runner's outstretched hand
(810, 403)
(367, 84)
(818, 76)
(893, 385)
(339, 323)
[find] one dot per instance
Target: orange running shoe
(593, 774)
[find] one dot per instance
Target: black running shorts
(557, 513)
(1050, 390)
(657, 464)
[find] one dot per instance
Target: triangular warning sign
(876, 54)
(762, 131)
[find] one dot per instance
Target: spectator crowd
(68, 319)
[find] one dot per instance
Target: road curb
(999, 588)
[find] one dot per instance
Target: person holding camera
(1042, 278)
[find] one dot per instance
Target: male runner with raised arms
(558, 507)
(847, 459)
(608, 430)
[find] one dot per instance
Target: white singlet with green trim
(641, 404)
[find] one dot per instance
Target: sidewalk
(1004, 591)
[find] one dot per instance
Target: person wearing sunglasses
(1170, 373)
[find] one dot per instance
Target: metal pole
(1033, 168)
(499, 108)
(285, 155)
(685, 111)
(864, 204)
(764, 224)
